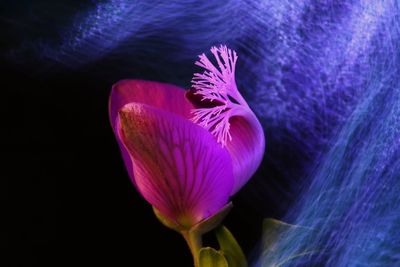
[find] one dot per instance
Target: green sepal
(202, 227)
(209, 257)
(230, 248)
(214, 221)
(167, 222)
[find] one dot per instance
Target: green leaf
(230, 248)
(274, 231)
(209, 257)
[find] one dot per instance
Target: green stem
(194, 241)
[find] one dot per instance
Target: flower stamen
(217, 84)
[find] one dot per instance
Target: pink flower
(188, 155)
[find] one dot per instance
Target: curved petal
(246, 147)
(245, 139)
(161, 95)
(178, 166)
(164, 96)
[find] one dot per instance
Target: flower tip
(130, 107)
(217, 87)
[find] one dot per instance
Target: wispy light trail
(352, 200)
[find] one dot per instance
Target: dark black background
(70, 198)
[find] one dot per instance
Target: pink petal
(164, 96)
(246, 148)
(161, 95)
(178, 166)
